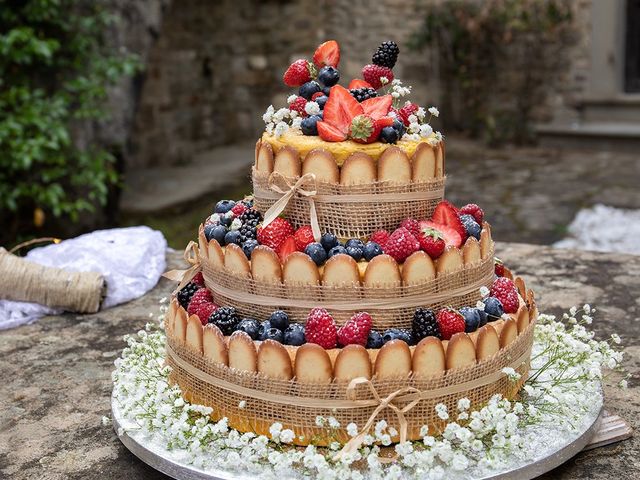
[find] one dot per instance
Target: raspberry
(412, 225)
(299, 72)
(298, 106)
(380, 237)
(401, 244)
(356, 330)
(238, 209)
(274, 234)
(450, 322)
(405, 112)
(303, 236)
(198, 279)
(199, 298)
(424, 324)
(204, 311)
(505, 291)
(474, 210)
(373, 73)
(321, 329)
(499, 267)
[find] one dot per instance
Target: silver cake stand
(159, 458)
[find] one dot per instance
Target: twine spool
(25, 281)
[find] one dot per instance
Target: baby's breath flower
(434, 111)
(312, 108)
(291, 99)
(464, 404)
(352, 429)
(441, 411)
(242, 404)
(484, 291)
(616, 338)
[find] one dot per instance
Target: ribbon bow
(356, 442)
(192, 257)
(287, 194)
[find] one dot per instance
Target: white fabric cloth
(130, 259)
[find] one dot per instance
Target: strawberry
(406, 111)
(321, 329)
(431, 242)
(329, 133)
(505, 291)
(340, 109)
(238, 209)
(198, 279)
(316, 95)
(299, 72)
(356, 330)
(450, 235)
(204, 311)
(365, 129)
(357, 83)
(304, 236)
(327, 53)
(412, 225)
(380, 237)
(499, 267)
(377, 107)
(401, 244)
(298, 105)
(446, 214)
(275, 233)
(474, 210)
(201, 296)
(450, 322)
(373, 74)
(286, 248)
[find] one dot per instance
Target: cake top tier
(371, 110)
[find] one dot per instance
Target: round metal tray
(158, 458)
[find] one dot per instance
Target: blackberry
(425, 324)
(250, 220)
(386, 55)
(362, 94)
(225, 318)
(398, 334)
(184, 295)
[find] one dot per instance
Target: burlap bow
(192, 257)
(356, 442)
(287, 194)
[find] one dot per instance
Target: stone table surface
(56, 374)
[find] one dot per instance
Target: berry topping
(329, 133)
(328, 241)
(264, 330)
(308, 89)
(303, 237)
(364, 129)
(398, 334)
(389, 135)
(357, 83)
(337, 250)
(412, 225)
(450, 235)
(424, 324)
(355, 252)
(354, 242)
(198, 279)
(321, 101)
(341, 108)
(356, 330)
(362, 94)
(475, 210)
(374, 340)
(493, 308)
(371, 250)
(223, 206)
(431, 242)
(328, 76)
(401, 244)
(505, 291)
(200, 297)
(328, 53)
(378, 107)
(374, 74)
(450, 322)
(309, 125)
(386, 55)
(321, 329)
(380, 237)
(274, 234)
(279, 319)
(446, 214)
(499, 267)
(248, 246)
(225, 318)
(298, 106)
(294, 335)
(232, 236)
(287, 248)
(250, 326)
(405, 112)
(204, 311)
(298, 73)
(472, 318)
(238, 209)
(471, 226)
(274, 334)
(317, 253)
(186, 294)
(399, 127)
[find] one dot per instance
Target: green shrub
(55, 68)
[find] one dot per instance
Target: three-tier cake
(346, 287)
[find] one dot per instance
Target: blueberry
(470, 225)
(317, 253)
(354, 242)
(371, 250)
(226, 221)
(375, 339)
(483, 318)
(279, 320)
(320, 115)
(321, 101)
(328, 76)
(232, 236)
(264, 329)
(274, 334)
(493, 307)
(216, 232)
(250, 326)
(336, 250)
(294, 335)
(223, 206)
(326, 91)
(389, 135)
(399, 127)
(328, 241)
(397, 334)
(355, 253)
(309, 125)
(308, 89)
(248, 246)
(471, 318)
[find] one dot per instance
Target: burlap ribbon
(192, 257)
(297, 188)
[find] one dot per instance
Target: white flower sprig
(277, 122)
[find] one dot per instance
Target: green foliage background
(55, 69)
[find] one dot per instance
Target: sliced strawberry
(328, 53)
(340, 109)
(451, 235)
(446, 214)
(329, 133)
(358, 83)
(377, 107)
(287, 248)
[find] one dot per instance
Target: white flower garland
(564, 386)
